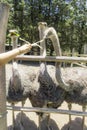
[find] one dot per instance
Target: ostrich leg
(23, 102)
(40, 119)
(69, 107)
(47, 117)
(83, 120)
(48, 121)
(13, 116)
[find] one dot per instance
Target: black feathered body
(44, 91)
(77, 78)
(15, 86)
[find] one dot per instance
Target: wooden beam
(4, 12)
(52, 58)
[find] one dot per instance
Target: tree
(68, 17)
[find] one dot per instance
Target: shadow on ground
(52, 125)
(74, 125)
(22, 122)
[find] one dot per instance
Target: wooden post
(73, 51)
(85, 49)
(4, 11)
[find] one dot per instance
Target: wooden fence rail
(47, 110)
(52, 58)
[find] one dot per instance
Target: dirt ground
(29, 120)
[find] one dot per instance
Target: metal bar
(47, 110)
(52, 58)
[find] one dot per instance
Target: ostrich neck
(51, 33)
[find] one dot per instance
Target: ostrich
(15, 88)
(73, 85)
(43, 89)
(79, 85)
(15, 85)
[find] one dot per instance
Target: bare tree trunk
(4, 10)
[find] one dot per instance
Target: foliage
(68, 17)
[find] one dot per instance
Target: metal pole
(48, 110)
